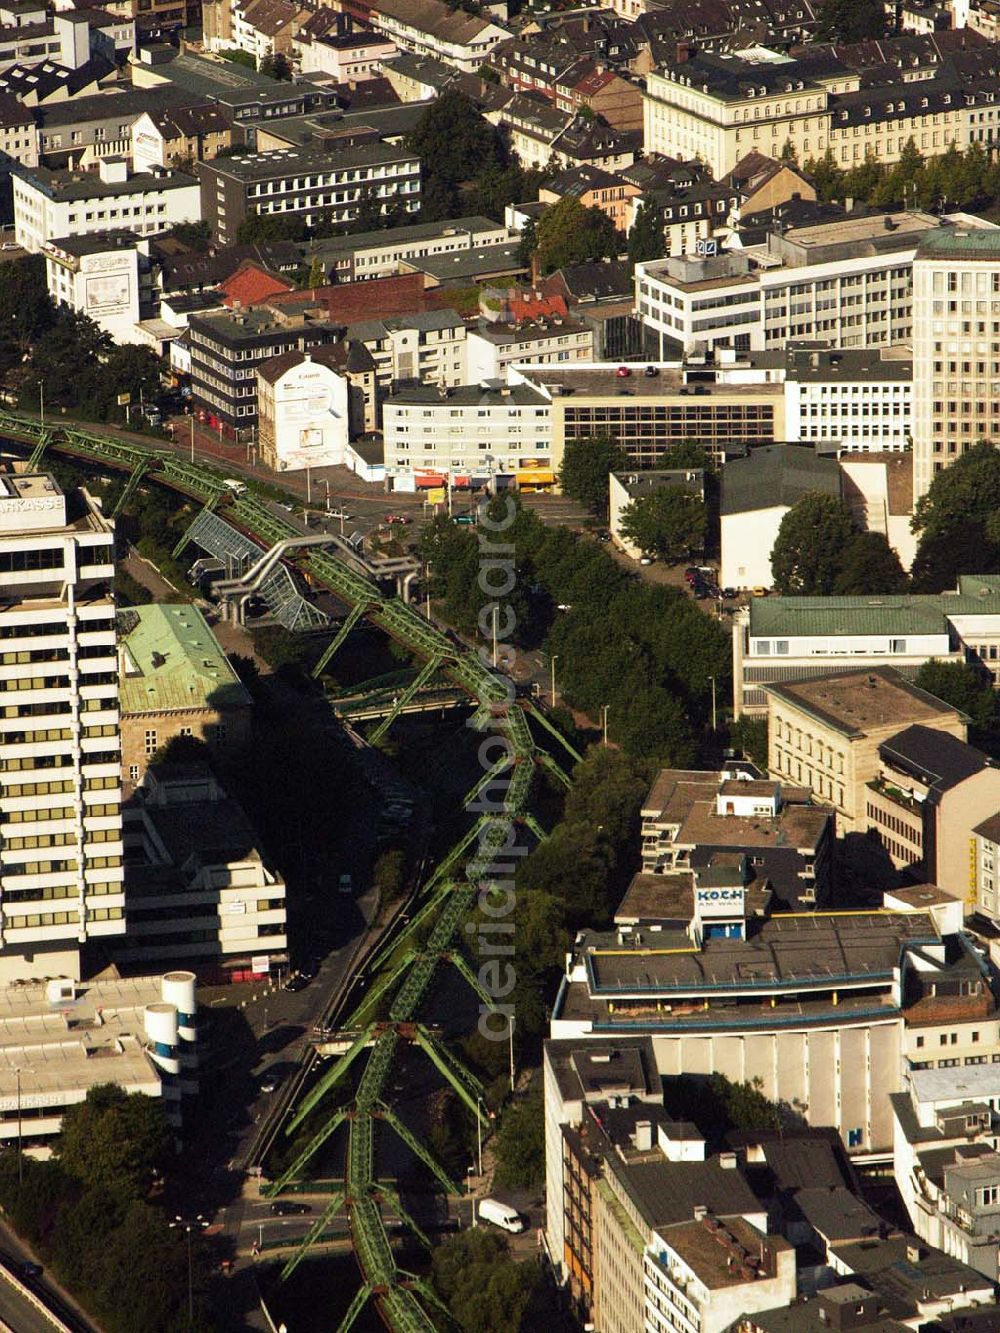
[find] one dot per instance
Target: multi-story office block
(314, 184)
(831, 1012)
(60, 748)
(956, 348)
(847, 283)
(785, 639)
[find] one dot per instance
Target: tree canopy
(484, 1289)
(958, 521)
(116, 1140)
(809, 549)
(670, 521)
(520, 1145)
(870, 566)
(850, 21)
(587, 464)
(568, 233)
(456, 146)
(962, 686)
(646, 239)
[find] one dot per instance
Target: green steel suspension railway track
(448, 896)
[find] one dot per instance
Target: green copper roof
(817, 616)
(172, 661)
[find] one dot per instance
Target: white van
(501, 1215)
(237, 487)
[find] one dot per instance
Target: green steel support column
(418, 1150)
(39, 450)
(138, 472)
(423, 676)
(314, 1233)
(491, 774)
(465, 1084)
(557, 771)
(379, 988)
(313, 1146)
(329, 1080)
(389, 1196)
(466, 971)
(357, 613)
(457, 852)
(531, 822)
(539, 716)
(355, 1308)
(412, 927)
(429, 1294)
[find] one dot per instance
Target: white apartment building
(850, 399)
(719, 108)
(428, 346)
(432, 28)
(492, 348)
(62, 1038)
(956, 348)
(199, 888)
(781, 639)
(847, 283)
(303, 412)
(704, 1274)
(60, 748)
(470, 431)
(99, 277)
(50, 204)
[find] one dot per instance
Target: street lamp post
(188, 1225)
(479, 1137)
(510, 1047)
(191, 419)
(712, 679)
(552, 663)
(20, 1148)
(470, 1171)
(309, 485)
(41, 403)
(604, 721)
(327, 485)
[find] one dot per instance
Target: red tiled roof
(251, 284)
(536, 307)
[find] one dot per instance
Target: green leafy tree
(808, 551)
(748, 734)
(685, 454)
(26, 310)
(456, 145)
(498, 186)
(568, 233)
(587, 464)
(870, 566)
(276, 66)
(520, 1145)
(850, 21)
(115, 1140)
(670, 522)
(257, 227)
(527, 243)
(962, 686)
(646, 239)
(957, 521)
(745, 1105)
(485, 1290)
(197, 235)
(826, 176)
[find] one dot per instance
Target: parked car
(729, 593)
(691, 574)
(289, 1208)
(341, 513)
(651, 372)
(270, 1082)
(623, 372)
(296, 982)
(647, 559)
(604, 536)
(398, 518)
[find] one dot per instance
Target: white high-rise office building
(60, 748)
(956, 348)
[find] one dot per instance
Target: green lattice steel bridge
(444, 900)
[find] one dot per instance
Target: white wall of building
(103, 286)
(746, 544)
(311, 416)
